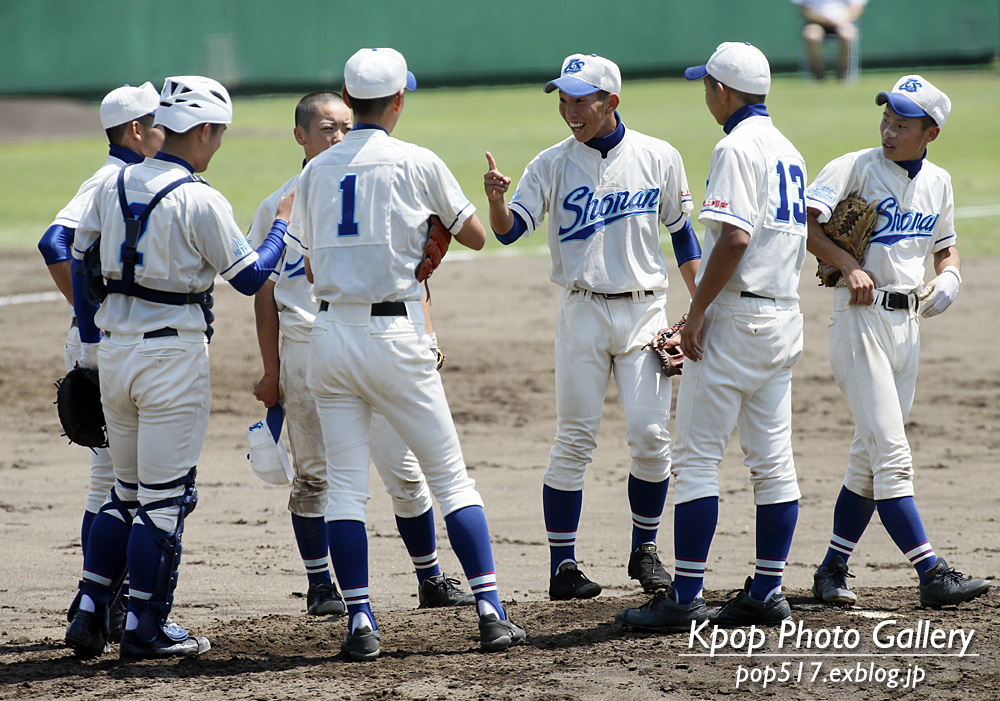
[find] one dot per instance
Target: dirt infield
(242, 584)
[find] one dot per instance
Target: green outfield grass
(514, 123)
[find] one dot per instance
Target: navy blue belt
(378, 309)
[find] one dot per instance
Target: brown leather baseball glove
(667, 348)
(850, 227)
(438, 238)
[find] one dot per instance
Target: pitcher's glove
(78, 399)
(850, 227)
(438, 238)
(668, 350)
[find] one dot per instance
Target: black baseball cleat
(87, 634)
(744, 610)
(663, 614)
(571, 583)
(171, 641)
(362, 644)
(116, 618)
(441, 591)
(496, 635)
(947, 586)
(830, 583)
(324, 599)
(645, 565)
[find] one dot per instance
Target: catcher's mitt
(849, 227)
(438, 238)
(668, 352)
(78, 399)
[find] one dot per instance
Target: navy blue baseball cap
(584, 75)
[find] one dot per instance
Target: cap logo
(912, 85)
(574, 66)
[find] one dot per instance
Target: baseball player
(127, 118)
(606, 189)
(360, 220)
(875, 330)
(742, 337)
(161, 236)
(286, 303)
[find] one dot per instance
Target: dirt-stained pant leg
(305, 433)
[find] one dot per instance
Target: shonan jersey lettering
(591, 213)
(893, 225)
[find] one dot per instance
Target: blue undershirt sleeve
(89, 333)
(249, 280)
(685, 243)
(515, 232)
(56, 243)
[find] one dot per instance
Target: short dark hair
(372, 107)
(117, 133)
(926, 122)
(305, 111)
(745, 97)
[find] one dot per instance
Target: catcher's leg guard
(113, 543)
(153, 607)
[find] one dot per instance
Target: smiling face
(904, 138)
(589, 117)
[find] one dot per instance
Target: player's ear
(611, 104)
(932, 133)
(300, 135)
(346, 98)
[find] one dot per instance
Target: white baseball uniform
(297, 308)
(753, 329)
(366, 355)
(155, 389)
(102, 474)
(874, 350)
(604, 238)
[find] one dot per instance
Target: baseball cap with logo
(127, 103)
(584, 75)
(738, 65)
(374, 73)
(914, 96)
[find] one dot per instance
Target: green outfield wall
(84, 47)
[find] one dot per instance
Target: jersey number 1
(348, 225)
(798, 209)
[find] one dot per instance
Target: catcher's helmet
(189, 100)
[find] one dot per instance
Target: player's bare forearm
(472, 234)
(689, 271)
(62, 275)
(495, 185)
(860, 284)
(945, 257)
(266, 316)
(308, 269)
(428, 326)
(722, 263)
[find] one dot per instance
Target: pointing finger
(490, 161)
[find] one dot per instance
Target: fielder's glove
(938, 294)
(850, 226)
(668, 350)
(78, 399)
(438, 238)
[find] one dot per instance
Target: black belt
(754, 295)
(622, 295)
(378, 309)
(155, 333)
(895, 300)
